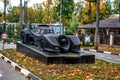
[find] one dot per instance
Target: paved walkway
(8, 73)
(105, 57)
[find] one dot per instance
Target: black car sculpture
(44, 38)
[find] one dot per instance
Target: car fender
(51, 38)
(74, 43)
(74, 39)
(26, 32)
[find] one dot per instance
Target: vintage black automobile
(44, 38)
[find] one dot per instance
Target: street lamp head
(27, 0)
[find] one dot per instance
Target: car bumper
(51, 50)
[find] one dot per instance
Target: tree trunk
(97, 26)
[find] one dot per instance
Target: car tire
(22, 37)
(64, 43)
(42, 44)
(31, 40)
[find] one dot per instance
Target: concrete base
(55, 58)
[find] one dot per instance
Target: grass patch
(99, 71)
(98, 76)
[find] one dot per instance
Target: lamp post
(25, 11)
(61, 17)
(119, 9)
(60, 11)
(4, 35)
(21, 18)
(4, 21)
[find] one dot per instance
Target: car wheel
(64, 43)
(63, 40)
(42, 44)
(31, 40)
(22, 37)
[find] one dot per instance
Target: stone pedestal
(55, 58)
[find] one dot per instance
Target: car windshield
(46, 31)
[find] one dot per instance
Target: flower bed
(100, 70)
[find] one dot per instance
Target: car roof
(45, 28)
(43, 25)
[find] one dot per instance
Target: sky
(30, 3)
(17, 2)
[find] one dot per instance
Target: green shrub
(68, 32)
(83, 43)
(86, 43)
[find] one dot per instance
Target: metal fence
(116, 39)
(103, 39)
(13, 31)
(12, 38)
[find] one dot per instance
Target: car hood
(52, 39)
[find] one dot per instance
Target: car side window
(48, 31)
(51, 31)
(41, 31)
(37, 31)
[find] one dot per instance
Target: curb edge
(94, 50)
(23, 71)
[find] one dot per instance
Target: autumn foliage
(99, 71)
(87, 8)
(49, 12)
